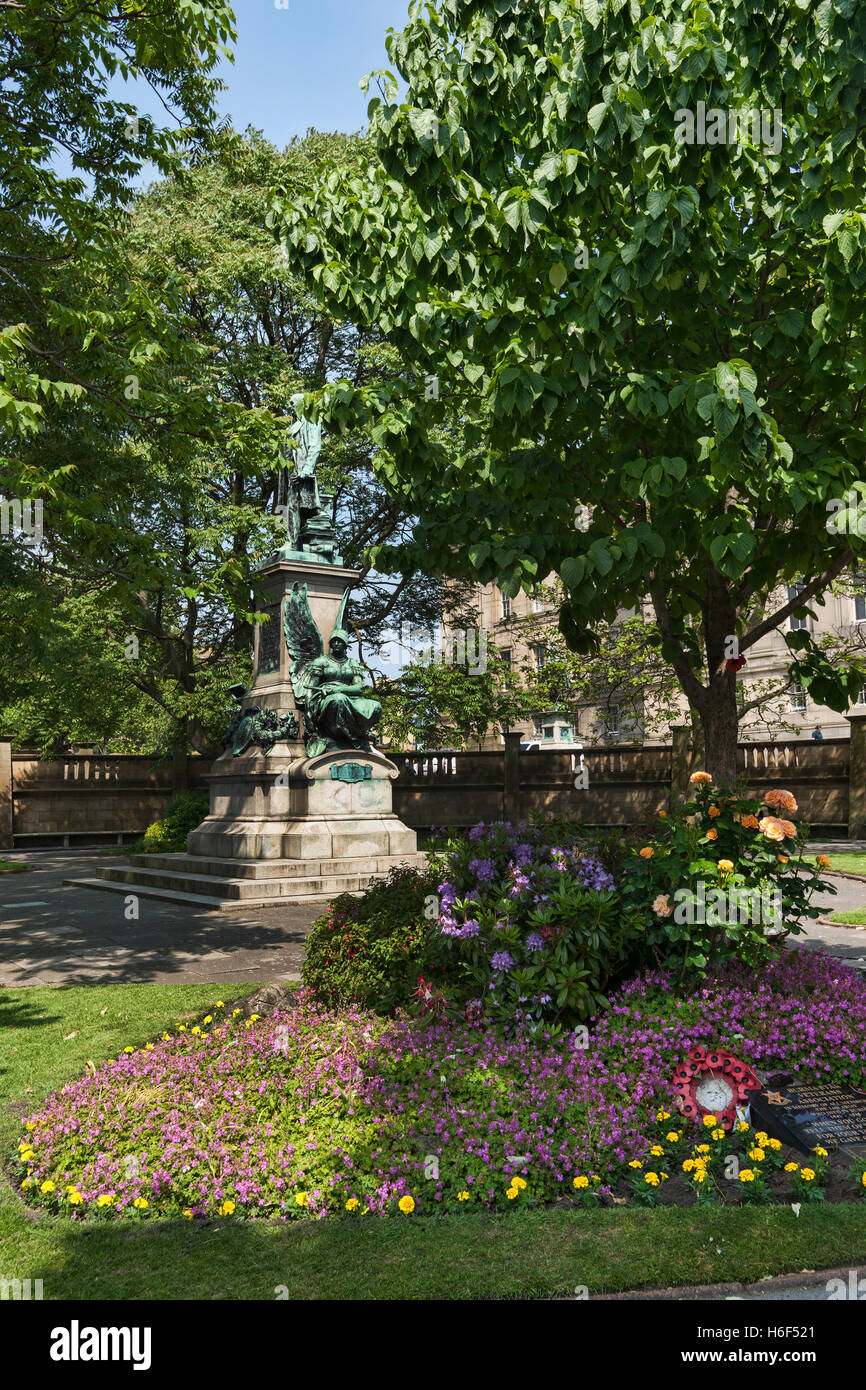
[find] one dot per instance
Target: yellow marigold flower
(187, 1211)
(352, 1204)
(142, 1203)
(235, 1013)
(657, 1151)
(741, 1126)
(166, 1037)
(688, 1165)
(220, 1004)
(148, 1047)
(791, 1167)
(519, 1183)
(746, 1175)
(663, 1115)
(581, 1182)
(717, 1134)
(819, 1150)
(208, 1018)
(702, 1162)
(757, 1153)
(182, 1028)
(700, 1174)
(774, 1144)
(29, 1124)
(197, 1031)
(702, 1149)
(47, 1187)
(823, 861)
(700, 777)
(28, 1182)
(254, 1018)
(28, 1156)
(227, 1208)
(635, 1163)
(862, 1179)
(652, 1179)
(463, 1196)
(761, 1137)
(512, 1193)
(712, 834)
(129, 1049)
(807, 1174)
(75, 1199)
(301, 1199)
(710, 1121)
(106, 1200)
(647, 852)
(714, 811)
(672, 1137)
(406, 1204)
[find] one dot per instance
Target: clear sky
(300, 66)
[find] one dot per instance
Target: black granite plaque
(803, 1115)
(269, 640)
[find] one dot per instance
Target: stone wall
(87, 797)
(92, 798)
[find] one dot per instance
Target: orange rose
(712, 834)
(782, 800)
(789, 828)
(646, 852)
(783, 859)
(714, 811)
(751, 823)
(700, 777)
(663, 815)
(823, 861)
(726, 866)
(773, 828)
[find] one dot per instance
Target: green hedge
(168, 834)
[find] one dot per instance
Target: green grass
(516, 1255)
(857, 918)
(12, 866)
(850, 863)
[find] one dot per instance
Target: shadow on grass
(534, 1253)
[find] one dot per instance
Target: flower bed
(311, 1112)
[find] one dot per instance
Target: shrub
(535, 929)
(724, 878)
(371, 950)
(181, 815)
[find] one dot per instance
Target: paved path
(55, 935)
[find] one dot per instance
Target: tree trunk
(720, 723)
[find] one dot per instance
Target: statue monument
(300, 797)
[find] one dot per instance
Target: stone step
(260, 869)
(208, 885)
(201, 900)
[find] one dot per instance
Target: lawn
(53, 1033)
(849, 863)
(857, 918)
(11, 866)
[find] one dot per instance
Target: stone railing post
(5, 796)
(511, 779)
(857, 778)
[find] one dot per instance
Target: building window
(548, 731)
(861, 698)
(610, 722)
(795, 624)
(860, 597)
(565, 733)
(540, 656)
(506, 657)
(506, 606)
(798, 697)
(537, 727)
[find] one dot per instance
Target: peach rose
(712, 834)
(781, 800)
(773, 828)
(646, 852)
(661, 906)
(789, 828)
(700, 777)
(823, 861)
(714, 811)
(751, 823)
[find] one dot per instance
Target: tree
(637, 297)
(450, 704)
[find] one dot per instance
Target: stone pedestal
(282, 825)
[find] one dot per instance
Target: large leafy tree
(668, 333)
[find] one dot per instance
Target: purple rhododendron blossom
(501, 960)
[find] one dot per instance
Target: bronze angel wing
(303, 640)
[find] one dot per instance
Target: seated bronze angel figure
(329, 690)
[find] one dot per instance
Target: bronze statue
(329, 690)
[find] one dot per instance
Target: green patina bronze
(256, 726)
(351, 772)
(329, 690)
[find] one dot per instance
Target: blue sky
(300, 67)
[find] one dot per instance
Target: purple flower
(483, 869)
(534, 942)
(501, 960)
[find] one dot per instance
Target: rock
(267, 1000)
